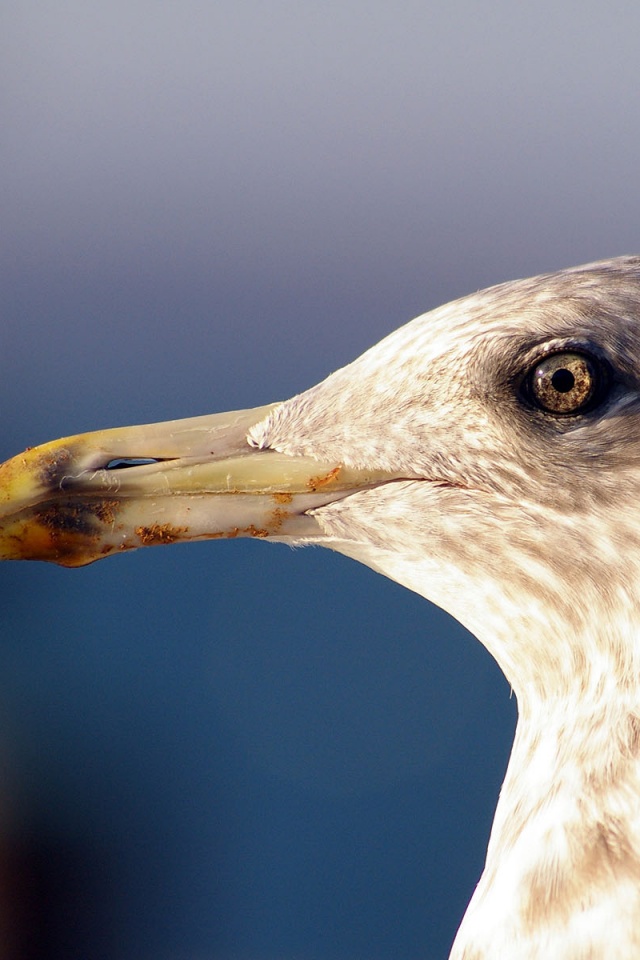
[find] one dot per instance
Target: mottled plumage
(487, 456)
(528, 534)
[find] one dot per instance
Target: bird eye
(565, 382)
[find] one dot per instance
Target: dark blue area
(215, 754)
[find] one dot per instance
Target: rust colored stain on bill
(317, 483)
(159, 533)
(250, 531)
(283, 497)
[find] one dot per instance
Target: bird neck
(563, 863)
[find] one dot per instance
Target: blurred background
(238, 751)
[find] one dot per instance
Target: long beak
(82, 498)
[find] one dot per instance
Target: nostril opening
(120, 463)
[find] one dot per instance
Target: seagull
(487, 456)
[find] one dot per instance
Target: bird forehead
(496, 331)
(457, 368)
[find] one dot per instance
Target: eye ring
(566, 382)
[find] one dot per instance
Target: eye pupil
(566, 383)
(563, 380)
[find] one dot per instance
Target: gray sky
(239, 751)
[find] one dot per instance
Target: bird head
(486, 455)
